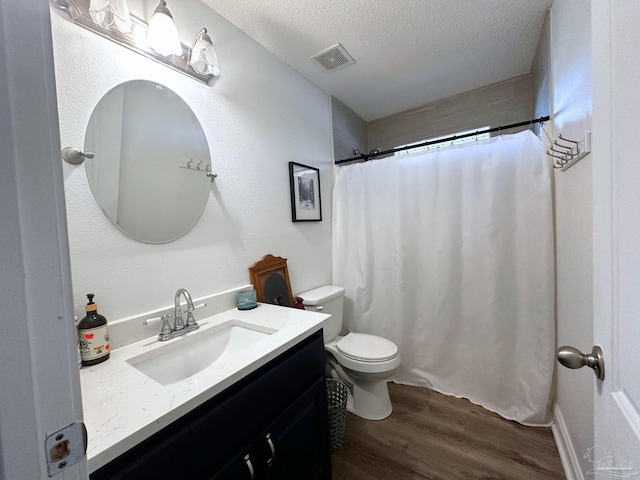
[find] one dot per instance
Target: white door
(616, 210)
(39, 379)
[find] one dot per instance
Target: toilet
(363, 362)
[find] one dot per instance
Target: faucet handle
(190, 320)
(166, 325)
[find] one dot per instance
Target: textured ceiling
(407, 52)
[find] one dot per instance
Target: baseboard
(567, 453)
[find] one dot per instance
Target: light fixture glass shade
(111, 14)
(162, 35)
(204, 59)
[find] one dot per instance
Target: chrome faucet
(178, 323)
(179, 327)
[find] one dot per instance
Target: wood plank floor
(433, 436)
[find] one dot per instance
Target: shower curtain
(449, 254)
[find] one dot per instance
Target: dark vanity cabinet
(270, 425)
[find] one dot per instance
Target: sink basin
(185, 356)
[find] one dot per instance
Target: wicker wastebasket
(337, 394)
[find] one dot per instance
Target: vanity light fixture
(204, 59)
(162, 34)
(111, 14)
(98, 16)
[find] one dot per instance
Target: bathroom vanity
(259, 411)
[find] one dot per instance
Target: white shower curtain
(449, 254)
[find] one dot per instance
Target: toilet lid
(367, 348)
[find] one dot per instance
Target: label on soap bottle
(94, 343)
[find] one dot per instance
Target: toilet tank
(326, 299)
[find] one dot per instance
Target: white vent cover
(333, 58)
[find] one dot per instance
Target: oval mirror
(150, 164)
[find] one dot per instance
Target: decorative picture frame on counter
(306, 202)
(270, 278)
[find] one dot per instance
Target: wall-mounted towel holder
(565, 152)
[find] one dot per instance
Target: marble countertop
(122, 406)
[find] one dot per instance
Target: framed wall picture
(305, 193)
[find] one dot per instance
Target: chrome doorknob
(571, 357)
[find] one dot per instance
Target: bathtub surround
(449, 254)
(258, 115)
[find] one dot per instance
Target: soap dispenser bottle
(93, 335)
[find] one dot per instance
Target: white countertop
(122, 406)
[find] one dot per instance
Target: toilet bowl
(363, 362)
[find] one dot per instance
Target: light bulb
(111, 14)
(204, 59)
(122, 17)
(162, 34)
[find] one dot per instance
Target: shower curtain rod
(376, 152)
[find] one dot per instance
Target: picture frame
(306, 201)
(270, 278)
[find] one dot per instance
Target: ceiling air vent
(333, 58)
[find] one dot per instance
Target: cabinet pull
(273, 450)
(247, 461)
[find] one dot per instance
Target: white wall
(571, 91)
(259, 115)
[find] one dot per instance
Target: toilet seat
(367, 348)
(375, 366)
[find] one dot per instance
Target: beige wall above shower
(349, 130)
(502, 103)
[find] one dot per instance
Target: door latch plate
(65, 447)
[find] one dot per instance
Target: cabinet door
(295, 445)
(241, 467)
(189, 448)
